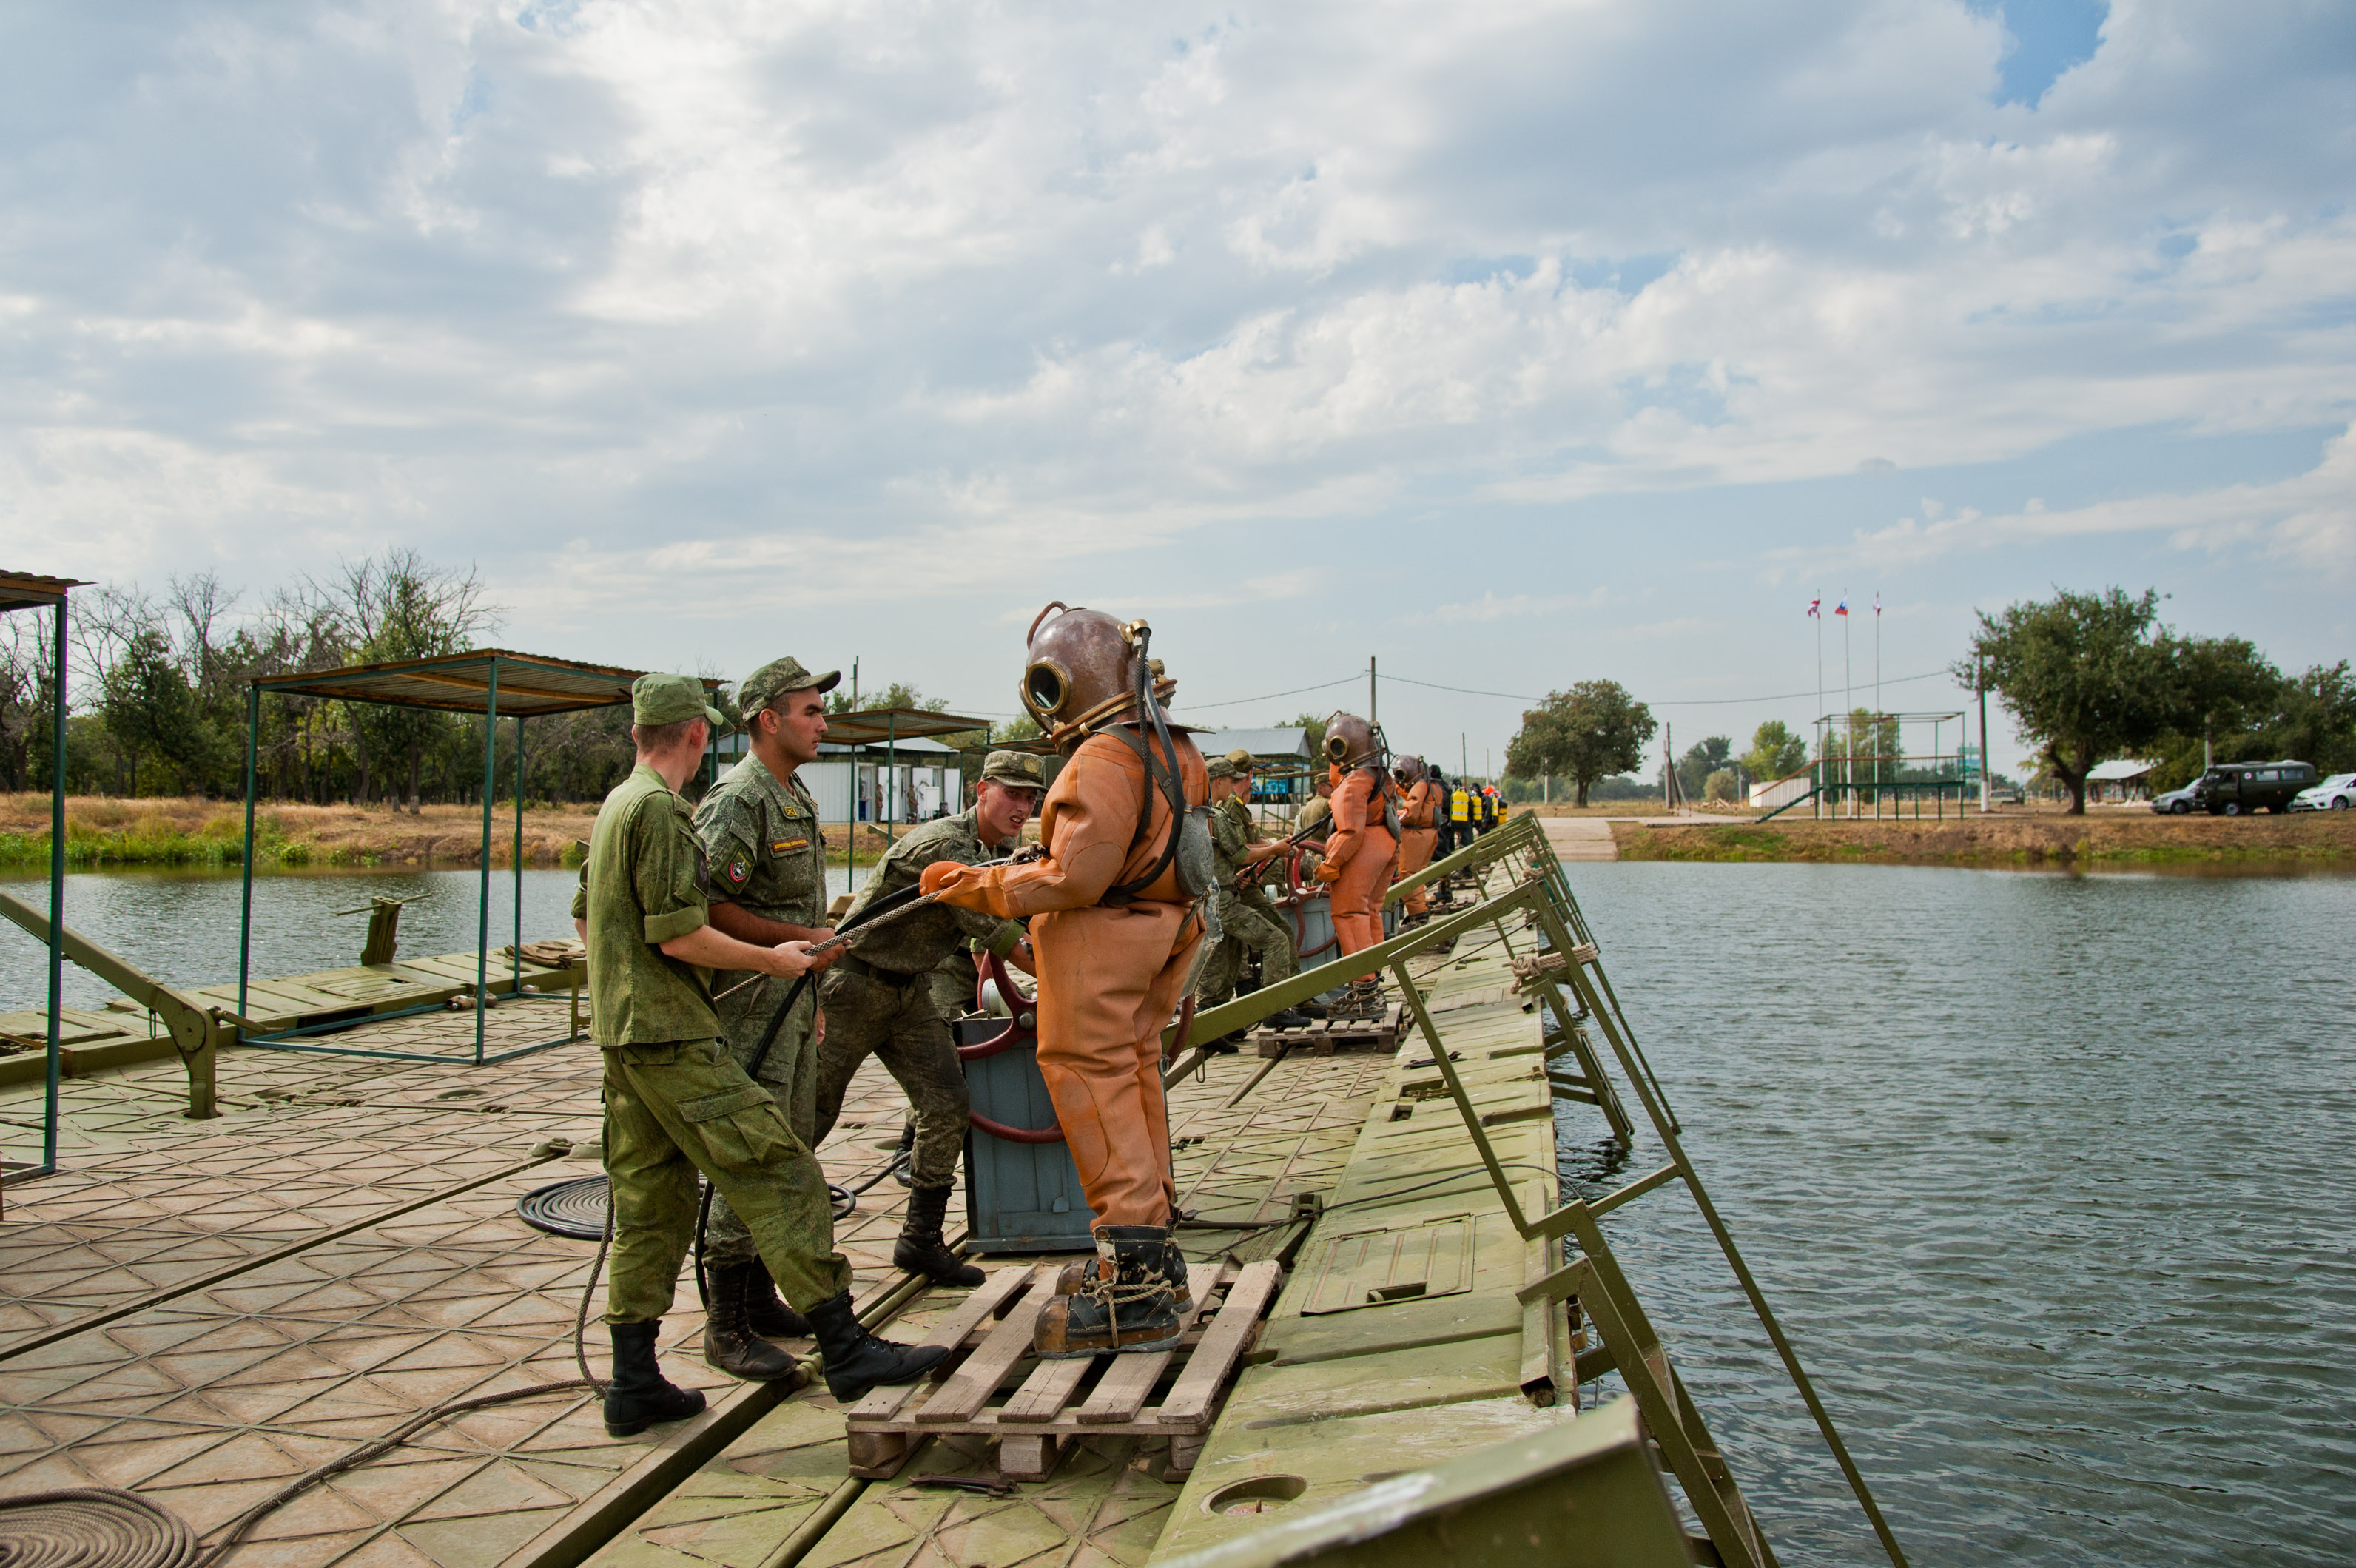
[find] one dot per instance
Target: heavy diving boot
(730, 1342)
(1073, 1277)
(856, 1360)
(920, 1249)
(1129, 1302)
(639, 1397)
(766, 1313)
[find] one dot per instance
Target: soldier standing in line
(760, 832)
(1245, 927)
(676, 1101)
(879, 999)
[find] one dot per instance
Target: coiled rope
(92, 1527)
(580, 1208)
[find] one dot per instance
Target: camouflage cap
(1243, 759)
(670, 700)
(778, 677)
(1019, 768)
(1221, 768)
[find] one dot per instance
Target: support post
(57, 890)
(483, 883)
(245, 905)
(515, 866)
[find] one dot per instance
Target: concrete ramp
(1580, 837)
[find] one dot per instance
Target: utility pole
(1979, 679)
(1373, 705)
(1463, 763)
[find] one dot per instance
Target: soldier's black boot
(729, 1342)
(920, 1249)
(1134, 1305)
(856, 1360)
(765, 1314)
(639, 1397)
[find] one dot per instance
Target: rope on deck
(92, 1527)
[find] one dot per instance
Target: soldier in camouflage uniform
(676, 1102)
(879, 998)
(760, 832)
(1249, 925)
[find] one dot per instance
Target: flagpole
(1816, 613)
(1877, 704)
(1848, 708)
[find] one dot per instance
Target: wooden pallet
(1326, 1036)
(1057, 1404)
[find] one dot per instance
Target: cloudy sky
(1514, 343)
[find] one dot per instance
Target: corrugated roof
(1282, 741)
(875, 726)
(529, 684)
(23, 590)
(2118, 772)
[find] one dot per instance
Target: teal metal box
(1020, 1196)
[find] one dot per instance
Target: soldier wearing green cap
(1249, 921)
(879, 998)
(676, 1102)
(761, 836)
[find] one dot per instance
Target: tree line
(158, 681)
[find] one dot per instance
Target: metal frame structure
(461, 684)
(23, 591)
(862, 728)
(1565, 975)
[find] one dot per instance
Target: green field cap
(1220, 768)
(670, 700)
(1019, 768)
(778, 677)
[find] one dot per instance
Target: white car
(2337, 793)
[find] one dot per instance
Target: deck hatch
(1380, 1267)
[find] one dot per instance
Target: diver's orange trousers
(1358, 892)
(1415, 845)
(1108, 981)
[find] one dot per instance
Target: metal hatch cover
(1379, 1267)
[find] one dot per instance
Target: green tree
(1589, 732)
(2091, 676)
(1710, 755)
(2315, 719)
(403, 608)
(1775, 752)
(145, 701)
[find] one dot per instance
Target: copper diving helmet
(1409, 770)
(1081, 672)
(1350, 742)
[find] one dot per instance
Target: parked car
(2336, 793)
(2179, 802)
(2233, 788)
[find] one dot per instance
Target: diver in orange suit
(1115, 928)
(1362, 853)
(1419, 828)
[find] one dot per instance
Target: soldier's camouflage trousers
(1252, 925)
(789, 1073)
(900, 1027)
(675, 1109)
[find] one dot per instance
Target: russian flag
(1841, 609)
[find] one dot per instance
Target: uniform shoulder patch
(736, 870)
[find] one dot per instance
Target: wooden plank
(1041, 1398)
(1123, 1389)
(965, 1393)
(885, 1401)
(1206, 1371)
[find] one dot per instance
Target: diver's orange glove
(1328, 872)
(940, 875)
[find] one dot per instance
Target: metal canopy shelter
(495, 682)
(26, 591)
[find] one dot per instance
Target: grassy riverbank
(103, 832)
(2121, 839)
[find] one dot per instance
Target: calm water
(2052, 1181)
(182, 927)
